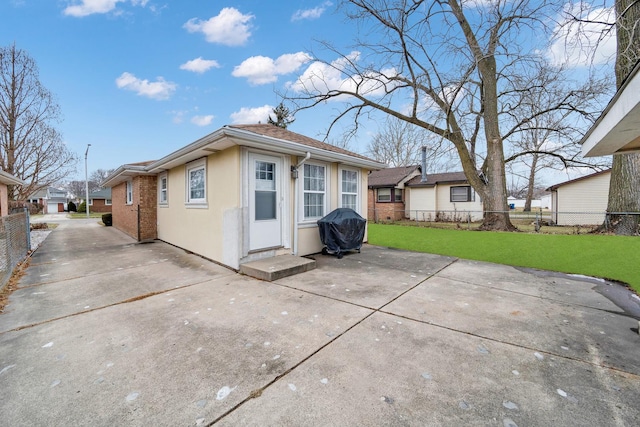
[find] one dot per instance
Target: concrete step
(277, 267)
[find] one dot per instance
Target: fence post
(28, 228)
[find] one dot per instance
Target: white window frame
(90, 202)
(190, 167)
(129, 192)
(357, 193)
(164, 177)
(107, 202)
(314, 219)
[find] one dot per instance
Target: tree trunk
(624, 188)
(531, 184)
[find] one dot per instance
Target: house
(52, 199)
(446, 196)
(581, 201)
(100, 201)
(617, 130)
(6, 179)
(241, 193)
(385, 195)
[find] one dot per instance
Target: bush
(71, 207)
(82, 207)
(107, 219)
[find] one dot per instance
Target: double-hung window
(384, 194)
(349, 189)
(197, 183)
(129, 193)
(314, 191)
(462, 194)
(163, 189)
(107, 202)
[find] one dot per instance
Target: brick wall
(125, 217)
(99, 206)
(383, 211)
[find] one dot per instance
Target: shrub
(82, 207)
(107, 219)
(71, 207)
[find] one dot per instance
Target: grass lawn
(609, 257)
(76, 215)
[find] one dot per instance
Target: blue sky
(138, 79)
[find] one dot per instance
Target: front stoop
(277, 267)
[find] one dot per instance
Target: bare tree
(98, 176)
(399, 143)
(550, 115)
(30, 146)
(452, 62)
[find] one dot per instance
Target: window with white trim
(90, 202)
(397, 195)
(462, 194)
(314, 191)
(349, 189)
(129, 193)
(197, 182)
(107, 202)
(163, 188)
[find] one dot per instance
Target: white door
(265, 224)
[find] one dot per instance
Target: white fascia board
(612, 130)
(123, 173)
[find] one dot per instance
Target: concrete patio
(105, 331)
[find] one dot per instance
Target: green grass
(84, 215)
(609, 257)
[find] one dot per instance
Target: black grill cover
(342, 230)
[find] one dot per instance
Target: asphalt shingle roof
(438, 178)
(390, 177)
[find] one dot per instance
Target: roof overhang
(617, 130)
(124, 173)
(8, 179)
(226, 137)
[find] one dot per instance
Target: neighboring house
(52, 199)
(447, 196)
(617, 130)
(580, 201)
(385, 195)
(519, 203)
(6, 179)
(241, 193)
(100, 201)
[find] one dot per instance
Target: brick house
(100, 201)
(133, 200)
(386, 199)
(241, 193)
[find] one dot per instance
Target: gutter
(294, 173)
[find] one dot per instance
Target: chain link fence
(14, 243)
(539, 220)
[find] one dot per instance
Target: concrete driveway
(105, 331)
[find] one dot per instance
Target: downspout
(294, 175)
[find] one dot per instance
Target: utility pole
(86, 181)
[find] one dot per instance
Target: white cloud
(202, 120)
(585, 42)
(229, 27)
(160, 89)
(261, 70)
(252, 115)
(320, 77)
(200, 65)
(89, 7)
(313, 13)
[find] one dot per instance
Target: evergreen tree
(283, 116)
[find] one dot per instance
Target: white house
(581, 201)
